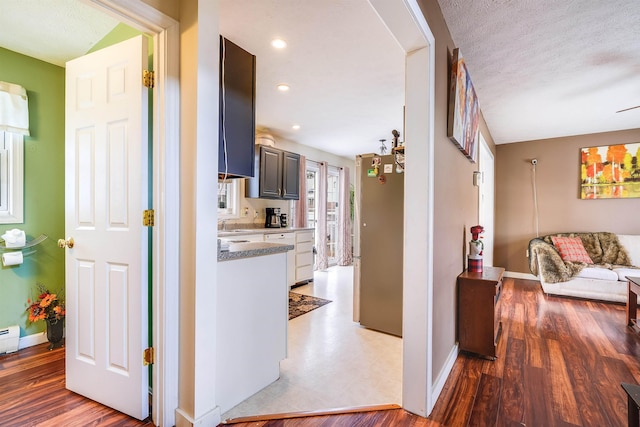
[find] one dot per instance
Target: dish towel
(14, 109)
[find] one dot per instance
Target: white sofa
(602, 281)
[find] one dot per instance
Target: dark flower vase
(55, 332)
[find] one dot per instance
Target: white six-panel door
(105, 195)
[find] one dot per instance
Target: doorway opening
(332, 215)
(399, 16)
(165, 183)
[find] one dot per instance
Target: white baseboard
(438, 384)
(516, 275)
(210, 419)
(31, 340)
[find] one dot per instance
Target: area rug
(300, 304)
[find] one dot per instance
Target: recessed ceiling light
(283, 87)
(295, 127)
(278, 43)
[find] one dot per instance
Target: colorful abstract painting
(464, 111)
(610, 171)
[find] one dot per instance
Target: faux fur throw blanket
(603, 248)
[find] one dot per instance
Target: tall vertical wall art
(464, 111)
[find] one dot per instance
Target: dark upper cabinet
(278, 175)
(270, 173)
(290, 175)
(237, 128)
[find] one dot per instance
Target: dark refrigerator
(378, 243)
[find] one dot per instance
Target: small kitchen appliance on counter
(273, 218)
(283, 220)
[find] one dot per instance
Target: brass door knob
(65, 243)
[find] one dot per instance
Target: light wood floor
(560, 363)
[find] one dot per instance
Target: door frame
(166, 185)
(485, 154)
(407, 23)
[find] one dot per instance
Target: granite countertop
(251, 249)
(247, 231)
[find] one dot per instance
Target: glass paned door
(333, 191)
(312, 186)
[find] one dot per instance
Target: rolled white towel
(15, 238)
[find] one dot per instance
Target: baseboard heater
(9, 339)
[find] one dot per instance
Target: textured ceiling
(541, 68)
(549, 68)
(53, 31)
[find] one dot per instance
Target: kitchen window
(11, 178)
(229, 199)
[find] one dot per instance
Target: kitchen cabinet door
(270, 173)
(236, 145)
(277, 177)
(290, 176)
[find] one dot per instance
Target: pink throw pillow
(571, 249)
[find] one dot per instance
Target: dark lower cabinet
(237, 129)
(277, 176)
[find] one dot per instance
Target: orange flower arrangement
(47, 306)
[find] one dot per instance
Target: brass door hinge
(148, 218)
(148, 356)
(148, 79)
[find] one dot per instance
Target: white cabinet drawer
(304, 273)
(304, 259)
(304, 236)
(302, 247)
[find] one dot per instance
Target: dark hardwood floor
(33, 394)
(560, 363)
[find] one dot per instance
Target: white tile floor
(333, 362)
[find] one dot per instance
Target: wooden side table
(479, 324)
(633, 290)
(633, 403)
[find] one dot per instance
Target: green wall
(120, 33)
(44, 180)
(44, 187)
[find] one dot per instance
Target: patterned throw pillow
(571, 249)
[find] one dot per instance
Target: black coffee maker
(273, 218)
